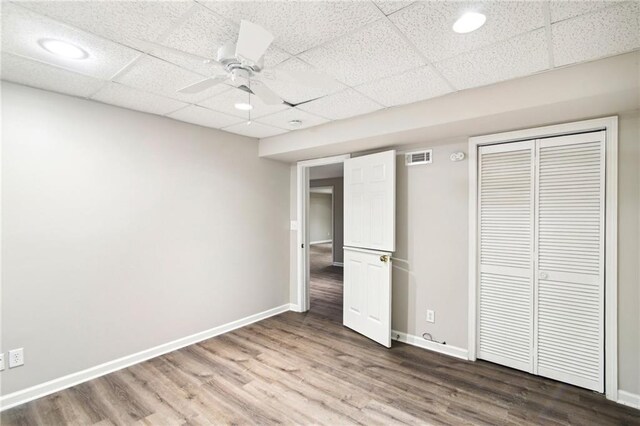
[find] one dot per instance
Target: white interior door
(369, 238)
(505, 302)
(541, 256)
(570, 259)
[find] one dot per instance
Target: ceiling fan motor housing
(227, 57)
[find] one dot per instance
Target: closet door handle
(543, 275)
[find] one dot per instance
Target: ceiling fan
(242, 62)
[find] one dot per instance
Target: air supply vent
(417, 157)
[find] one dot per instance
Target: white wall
(320, 217)
(123, 230)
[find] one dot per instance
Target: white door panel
(369, 209)
(570, 258)
(505, 305)
(367, 297)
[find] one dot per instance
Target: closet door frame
(610, 126)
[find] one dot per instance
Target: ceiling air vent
(417, 157)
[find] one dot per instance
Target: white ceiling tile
(128, 97)
(225, 102)
(160, 77)
(390, 6)
(411, 86)
(608, 32)
(295, 93)
(48, 77)
(300, 25)
(201, 33)
(429, 24)
(254, 130)
(204, 117)
(516, 57)
(563, 9)
(123, 21)
(373, 52)
(281, 119)
(345, 104)
(22, 30)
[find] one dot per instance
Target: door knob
(543, 275)
(384, 258)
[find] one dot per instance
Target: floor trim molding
(628, 398)
(55, 385)
(432, 346)
(313, 243)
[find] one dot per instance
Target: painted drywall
(320, 217)
(430, 268)
(629, 253)
(123, 230)
(338, 210)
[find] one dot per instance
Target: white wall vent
(417, 157)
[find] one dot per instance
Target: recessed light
(468, 22)
(295, 124)
(243, 106)
(63, 49)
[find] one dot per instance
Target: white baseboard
(294, 307)
(320, 242)
(628, 398)
(426, 344)
(43, 389)
(339, 264)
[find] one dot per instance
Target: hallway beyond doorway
(326, 283)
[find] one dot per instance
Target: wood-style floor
(309, 369)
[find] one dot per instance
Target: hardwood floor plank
(308, 369)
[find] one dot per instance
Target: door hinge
(302, 245)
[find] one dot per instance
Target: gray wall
(320, 217)
(123, 230)
(430, 268)
(338, 211)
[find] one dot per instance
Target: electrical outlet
(16, 358)
(1, 362)
(431, 316)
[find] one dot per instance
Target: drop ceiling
(381, 54)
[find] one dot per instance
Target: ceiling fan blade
(309, 78)
(155, 46)
(203, 84)
(253, 41)
(265, 94)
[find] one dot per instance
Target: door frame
(302, 214)
(610, 126)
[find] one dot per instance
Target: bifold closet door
(506, 217)
(570, 259)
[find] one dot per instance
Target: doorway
(325, 228)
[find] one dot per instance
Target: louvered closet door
(505, 302)
(570, 259)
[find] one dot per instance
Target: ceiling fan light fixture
(243, 106)
(63, 49)
(296, 124)
(469, 22)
